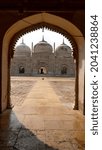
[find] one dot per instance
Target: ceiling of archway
(29, 5)
(47, 26)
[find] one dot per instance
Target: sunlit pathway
(42, 100)
(43, 122)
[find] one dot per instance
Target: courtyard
(63, 87)
(42, 117)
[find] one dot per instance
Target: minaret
(63, 41)
(32, 50)
(54, 47)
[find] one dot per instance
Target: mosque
(43, 60)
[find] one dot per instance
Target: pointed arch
(30, 23)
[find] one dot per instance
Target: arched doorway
(64, 70)
(20, 27)
(21, 70)
(42, 70)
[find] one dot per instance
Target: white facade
(43, 60)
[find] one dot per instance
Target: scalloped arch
(47, 26)
(52, 22)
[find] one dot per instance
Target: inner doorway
(64, 70)
(42, 70)
(21, 70)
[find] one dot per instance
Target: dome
(63, 49)
(43, 46)
(22, 49)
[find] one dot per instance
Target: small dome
(63, 49)
(43, 46)
(22, 49)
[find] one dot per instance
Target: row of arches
(42, 70)
(52, 22)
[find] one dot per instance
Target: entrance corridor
(42, 117)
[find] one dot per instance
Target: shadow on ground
(15, 136)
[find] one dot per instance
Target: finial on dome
(22, 41)
(63, 41)
(43, 34)
(42, 29)
(43, 38)
(54, 46)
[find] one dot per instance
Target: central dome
(43, 46)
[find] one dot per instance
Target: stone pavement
(42, 122)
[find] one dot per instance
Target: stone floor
(40, 119)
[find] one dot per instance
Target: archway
(42, 70)
(64, 70)
(21, 70)
(24, 25)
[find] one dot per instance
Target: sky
(49, 36)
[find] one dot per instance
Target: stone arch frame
(23, 26)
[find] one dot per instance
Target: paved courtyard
(42, 117)
(63, 87)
